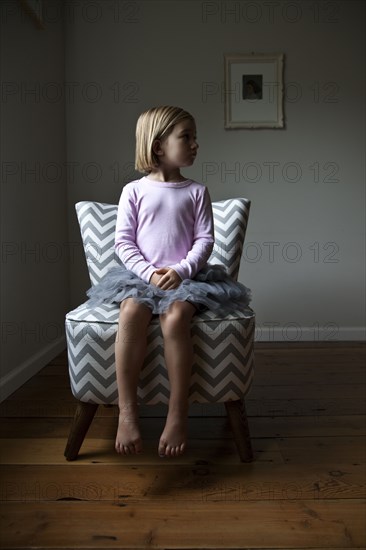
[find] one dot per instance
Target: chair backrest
(97, 226)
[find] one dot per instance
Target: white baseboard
(293, 332)
(23, 372)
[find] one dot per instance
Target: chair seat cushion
(223, 360)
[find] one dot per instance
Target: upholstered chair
(223, 344)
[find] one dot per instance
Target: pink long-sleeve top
(162, 224)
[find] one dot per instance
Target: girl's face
(180, 147)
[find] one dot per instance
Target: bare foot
(173, 439)
(128, 439)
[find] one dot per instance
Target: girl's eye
(187, 137)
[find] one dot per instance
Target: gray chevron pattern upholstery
(97, 225)
(224, 360)
(98, 220)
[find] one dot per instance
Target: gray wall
(304, 248)
(34, 263)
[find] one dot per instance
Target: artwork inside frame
(254, 91)
(34, 8)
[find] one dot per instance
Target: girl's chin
(190, 161)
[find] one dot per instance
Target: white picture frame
(254, 90)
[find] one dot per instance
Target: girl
(164, 237)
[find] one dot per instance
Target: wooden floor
(305, 489)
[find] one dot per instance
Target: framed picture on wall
(254, 90)
(34, 8)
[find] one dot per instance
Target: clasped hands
(165, 278)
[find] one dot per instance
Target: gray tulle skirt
(211, 288)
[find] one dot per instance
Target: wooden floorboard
(181, 482)
(204, 428)
(304, 490)
(177, 524)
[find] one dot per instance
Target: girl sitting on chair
(164, 237)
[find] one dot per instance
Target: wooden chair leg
(239, 424)
(84, 415)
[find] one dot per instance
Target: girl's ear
(156, 147)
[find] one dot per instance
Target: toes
(162, 449)
(126, 449)
(178, 450)
(120, 448)
(166, 450)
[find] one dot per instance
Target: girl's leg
(178, 348)
(130, 349)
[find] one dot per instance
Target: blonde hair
(156, 123)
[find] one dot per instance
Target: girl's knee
(134, 319)
(177, 319)
(131, 311)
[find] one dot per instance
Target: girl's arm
(125, 238)
(203, 239)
